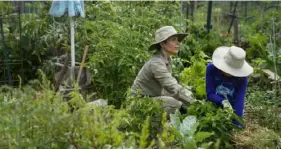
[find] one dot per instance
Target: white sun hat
(232, 61)
(164, 33)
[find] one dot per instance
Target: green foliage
(37, 119)
(263, 24)
(195, 75)
(263, 107)
(257, 77)
(145, 135)
(119, 42)
(214, 119)
(186, 132)
(144, 110)
(118, 34)
(262, 39)
(258, 46)
(200, 40)
(41, 38)
(167, 137)
(177, 67)
(97, 127)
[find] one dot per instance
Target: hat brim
(218, 61)
(180, 36)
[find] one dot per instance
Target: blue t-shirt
(220, 87)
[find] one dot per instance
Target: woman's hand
(226, 104)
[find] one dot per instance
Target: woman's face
(171, 46)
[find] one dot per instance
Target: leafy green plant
(139, 109)
(195, 75)
(200, 40)
(41, 119)
(257, 46)
(258, 76)
(214, 119)
(186, 132)
(167, 137)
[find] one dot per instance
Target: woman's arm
(239, 97)
(210, 85)
(169, 83)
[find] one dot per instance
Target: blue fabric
(220, 87)
(69, 7)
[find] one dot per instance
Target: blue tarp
(69, 7)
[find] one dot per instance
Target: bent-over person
(155, 78)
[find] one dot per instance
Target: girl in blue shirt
(226, 78)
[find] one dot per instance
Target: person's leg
(170, 104)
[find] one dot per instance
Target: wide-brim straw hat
(164, 33)
(232, 61)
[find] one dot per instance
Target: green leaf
(200, 136)
(130, 143)
(188, 126)
(205, 145)
(189, 143)
(107, 146)
(175, 120)
(217, 144)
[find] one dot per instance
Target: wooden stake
(82, 63)
(64, 69)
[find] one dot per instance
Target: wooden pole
(82, 63)
(64, 68)
(208, 25)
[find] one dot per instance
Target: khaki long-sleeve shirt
(155, 78)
